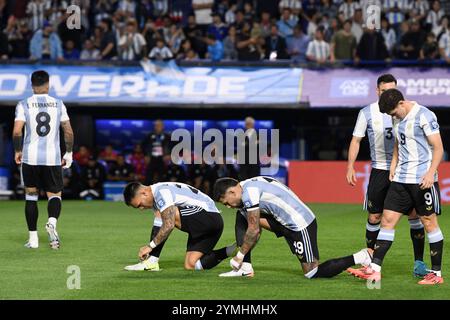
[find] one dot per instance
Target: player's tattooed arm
(68, 135)
(17, 135)
(253, 231)
(168, 223)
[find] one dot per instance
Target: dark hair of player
(386, 78)
(221, 186)
(39, 78)
(130, 191)
(389, 100)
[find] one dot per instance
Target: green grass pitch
(102, 237)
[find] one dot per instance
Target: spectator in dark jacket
(371, 46)
(275, 45)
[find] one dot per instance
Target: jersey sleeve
(20, 113)
(163, 199)
(64, 115)
(428, 123)
(360, 126)
(250, 198)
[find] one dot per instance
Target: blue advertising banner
(156, 84)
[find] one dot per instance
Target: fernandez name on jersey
(42, 115)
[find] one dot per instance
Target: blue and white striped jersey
(414, 152)
(42, 115)
(274, 198)
(188, 199)
(379, 131)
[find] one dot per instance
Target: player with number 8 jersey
(38, 153)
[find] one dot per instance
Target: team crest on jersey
(434, 125)
(161, 203)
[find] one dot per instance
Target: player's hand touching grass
(144, 252)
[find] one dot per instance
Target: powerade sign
(157, 83)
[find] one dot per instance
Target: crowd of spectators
(249, 30)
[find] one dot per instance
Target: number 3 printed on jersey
(43, 124)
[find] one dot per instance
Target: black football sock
(157, 223)
(54, 207)
(436, 240)
(240, 229)
(417, 233)
(31, 211)
(384, 242)
(332, 267)
(372, 230)
(212, 259)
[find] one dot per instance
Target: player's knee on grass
(374, 218)
(192, 261)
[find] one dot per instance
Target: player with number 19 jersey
(42, 115)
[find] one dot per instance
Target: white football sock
(360, 256)
(153, 259)
(246, 266)
(33, 236)
(438, 273)
(375, 267)
(52, 221)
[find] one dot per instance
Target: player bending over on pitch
(39, 155)
(413, 173)
(381, 141)
(186, 208)
(273, 206)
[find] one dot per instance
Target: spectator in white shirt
(444, 46)
(318, 50)
(132, 44)
(203, 11)
(419, 8)
(294, 5)
(160, 52)
(435, 15)
(442, 28)
(89, 52)
(348, 8)
(390, 38)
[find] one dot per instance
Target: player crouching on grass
(413, 173)
(186, 208)
(273, 206)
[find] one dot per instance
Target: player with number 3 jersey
(38, 153)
